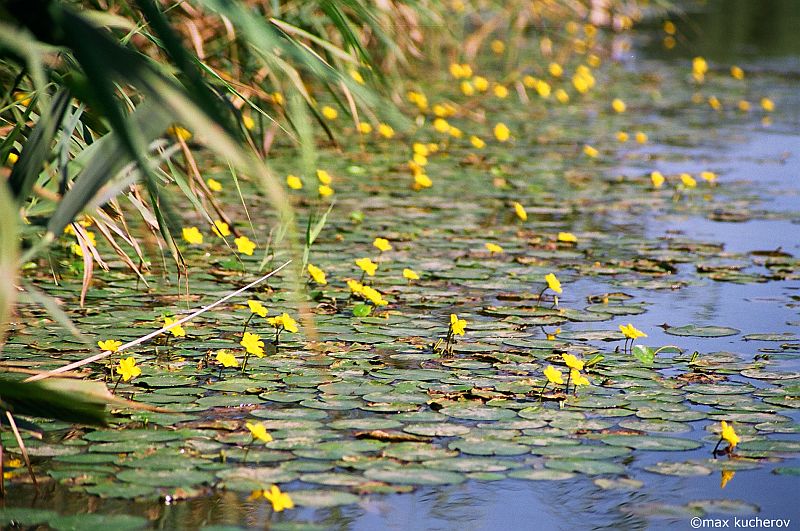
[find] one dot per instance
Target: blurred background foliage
(111, 111)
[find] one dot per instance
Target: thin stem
(247, 323)
(541, 393)
(247, 449)
(116, 384)
(714, 451)
(539, 299)
(246, 357)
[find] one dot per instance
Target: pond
(384, 432)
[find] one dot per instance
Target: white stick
(151, 335)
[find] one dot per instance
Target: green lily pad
(541, 475)
(322, 498)
(678, 469)
(488, 447)
(701, 331)
(585, 466)
(649, 442)
(415, 476)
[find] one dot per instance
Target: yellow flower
(577, 378)
(567, 237)
(257, 308)
(708, 176)
(699, 67)
(555, 70)
(455, 132)
(631, 332)
(500, 91)
(180, 132)
(670, 28)
(253, 344)
(280, 500)
(737, 72)
(244, 245)
(22, 98)
(284, 320)
(519, 210)
(420, 160)
(441, 125)
(419, 99)
(729, 434)
(176, 331)
(687, 180)
(357, 77)
(467, 89)
(12, 158)
(493, 248)
(127, 369)
(374, 296)
(618, 105)
(480, 83)
(364, 128)
(767, 104)
(553, 375)
(422, 181)
(294, 182)
(192, 235)
(622, 136)
(543, 89)
(572, 362)
(356, 287)
(317, 274)
(501, 132)
(220, 228)
(641, 137)
(498, 46)
(226, 359)
(258, 431)
(248, 122)
(110, 345)
(459, 71)
(214, 185)
(329, 112)
(657, 179)
(529, 81)
(743, 105)
(382, 244)
(553, 283)
(591, 152)
(562, 96)
(457, 325)
(367, 265)
(385, 130)
(714, 103)
(324, 177)
(410, 274)
(277, 98)
(420, 149)
(325, 190)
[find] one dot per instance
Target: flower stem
(539, 299)
(247, 323)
